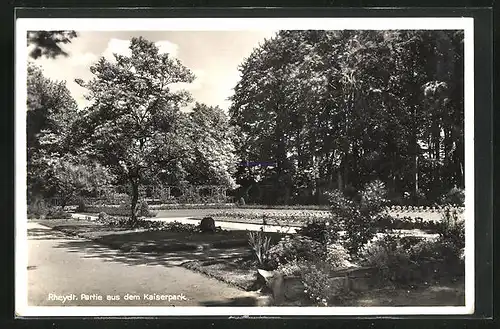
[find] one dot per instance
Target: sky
(213, 56)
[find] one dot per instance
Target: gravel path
(59, 265)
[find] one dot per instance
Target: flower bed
(174, 206)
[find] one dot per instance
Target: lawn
(166, 241)
(240, 272)
(84, 228)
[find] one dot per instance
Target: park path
(232, 225)
(226, 225)
(62, 265)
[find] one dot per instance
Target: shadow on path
(92, 249)
(47, 234)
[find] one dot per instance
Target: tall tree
(342, 108)
(210, 137)
(133, 120)
(53, 168)
(50, 111)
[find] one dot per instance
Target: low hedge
(110, 210)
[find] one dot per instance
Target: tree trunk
(415, 152)
(134, 182)
(340, 181)
(415, 171)
(64, 202)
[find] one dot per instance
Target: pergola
(217, 193)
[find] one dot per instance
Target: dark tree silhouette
(48, 43)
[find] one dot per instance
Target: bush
(358, 216)
(118, 198)
(179, 227)
(319, 284)
(316, 275)
(122, 210)
(388, 255)
(337, 256)
(37, 209)
(315, 229)
(407, 259)
(144, 210)
(451, 231)
(81, 206)
(294, 248)
(260, 245)
(103, 217)
(207, 225)
(406, 223)
(292, 268)
(430, 250)
(57, 214)
(455, 196)
(117, 221)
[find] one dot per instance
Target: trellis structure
(187, 193)
(160, 194)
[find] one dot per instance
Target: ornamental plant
(358, 216)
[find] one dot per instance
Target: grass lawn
(240, 272)
(85, 228)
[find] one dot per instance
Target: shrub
(451, 231)
(426, 250)
(118, 198)
(122, 210)
(57, 214)
(319, 284)
(147, 224)
(260, 245)
(292, 268)
(314, 263)
(103, 217)
(294, 248)
(144, 210)
(389, 257)
(207, 225)
(179, 227)
(37, 209)
(337, 256)
(406, 259)
(358, 216)
(315, 229)
(113, 221)
(455, 196)
(81, 206)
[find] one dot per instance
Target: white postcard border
(232, 24)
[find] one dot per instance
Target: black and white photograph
(244, 166)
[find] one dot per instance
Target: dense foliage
(337, 109)
(52, 170)
(135, 127)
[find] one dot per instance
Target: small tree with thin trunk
(133, 118)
